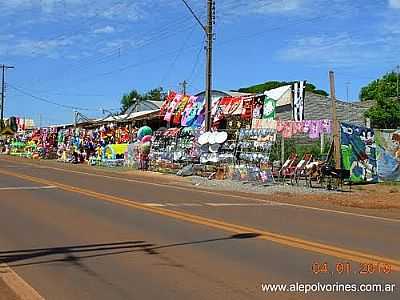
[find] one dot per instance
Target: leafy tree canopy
(385, 113)
(269, 85)
(381, 88)
(135, 96)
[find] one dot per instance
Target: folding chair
(288, 167)
(300, 170)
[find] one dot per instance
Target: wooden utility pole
(208, 29)
(336, 138)
(210, 37)
(184, 85)
(3, 93)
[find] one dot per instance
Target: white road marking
(154, 204)
(190, 204)
(22, 289)
(282, 204)
(26, 188)
(240, 204)
(208, 204)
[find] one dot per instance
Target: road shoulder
(13, 287)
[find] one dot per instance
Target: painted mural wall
(358, 149)
(388, 154)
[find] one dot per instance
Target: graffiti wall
(388, 154)
(358, 149)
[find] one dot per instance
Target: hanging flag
(298, 100)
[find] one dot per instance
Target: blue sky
(88, 53)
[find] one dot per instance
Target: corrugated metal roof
(127, 117)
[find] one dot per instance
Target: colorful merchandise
(314, 128)
(269, 112)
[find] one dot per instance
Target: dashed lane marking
(209, 204)
(281, 204)
(289, 241)
(27, 188)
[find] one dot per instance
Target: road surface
(71, 233)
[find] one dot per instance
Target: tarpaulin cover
(358, 149)
(113, 150)
(388, 154)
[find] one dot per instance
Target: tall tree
(386, 111)
(156, 94)
(134, 97)
(129, 99)
(384, 87)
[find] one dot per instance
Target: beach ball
(145, 148)
(146, 139)
(143, 131)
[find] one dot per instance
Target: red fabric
(247, 111)
(230, 105)
(171, 132)
(166, 102)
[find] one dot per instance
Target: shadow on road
(72, 254)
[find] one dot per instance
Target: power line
(69, 107)
(180, 52)
(194, 15)
(196, 61)
(157, 36)
(134, 65)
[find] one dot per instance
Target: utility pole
(3, 87)
(184, 85)
(336, 138)
(209, 51)
(208, 29)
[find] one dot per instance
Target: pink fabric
(171, 108)
(314, 128)
(188, 109)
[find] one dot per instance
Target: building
(316, 107)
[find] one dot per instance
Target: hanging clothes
(179, 110)
(171, 108)
(247, 109)
(186, 120)
(164, 107)
(258, 107)
(314, 128)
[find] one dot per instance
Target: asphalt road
(71, 234)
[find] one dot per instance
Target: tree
(269, 85)
(385, 113)
(129, 99)
(157, 94)
(135, 96)
(384, 87)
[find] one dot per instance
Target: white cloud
(340, 50)
(106, 29)
(34, 48)
(261, 7)
(394, 3)
(58, 9)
